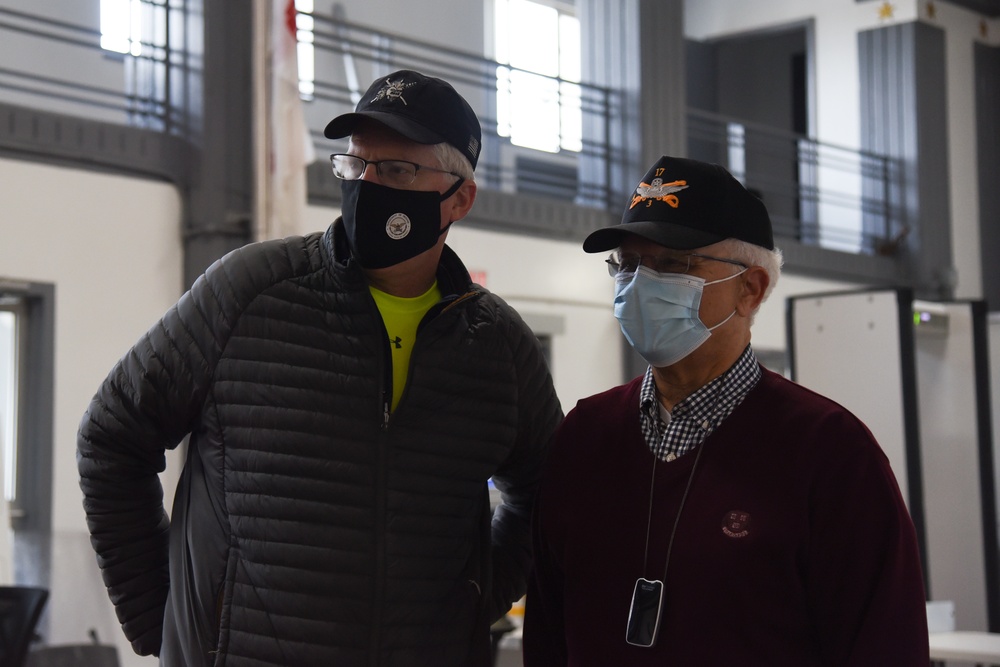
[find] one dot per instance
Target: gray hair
(451, 159)
(755, 255)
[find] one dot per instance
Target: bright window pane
(532, 29)
(115, 25)
(503, 101)
(571, 134)
(306, 52)
(535, 110)
(121, 26)
(135, 28)
(569, 48)
(534, 114)
(501, 30)
(8, 400)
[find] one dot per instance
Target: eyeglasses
(627, 263)
(395, 173)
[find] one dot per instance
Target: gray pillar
(987, 64)
(637, 47)
(220, 201)
(903, 115)
(663, 82)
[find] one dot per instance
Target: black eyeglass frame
(378, 168)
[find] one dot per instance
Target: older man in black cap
(711, 512)
(348, 396)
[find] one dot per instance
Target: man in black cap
(711, 512)
(347, 395)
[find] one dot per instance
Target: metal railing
(818, 194)
(60, 66)
(349, 56)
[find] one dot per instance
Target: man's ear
(754, 285)
(460, 203)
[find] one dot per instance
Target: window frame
(563, 86)
(31, 511)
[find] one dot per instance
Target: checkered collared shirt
(693, 419)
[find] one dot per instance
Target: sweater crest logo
(736, 524)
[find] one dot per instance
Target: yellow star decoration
(931, 10)
(886, 10)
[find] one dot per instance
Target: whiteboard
(955, 492)
(922, 391)
(848, 347)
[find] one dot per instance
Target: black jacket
(310, 527)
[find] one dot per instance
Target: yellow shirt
(402, 317)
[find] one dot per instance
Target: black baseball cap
(685, 204)
(421, 108)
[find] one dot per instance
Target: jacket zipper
(378, 599)
(380, 472)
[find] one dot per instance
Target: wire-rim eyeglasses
(396, 173)
(626, 263)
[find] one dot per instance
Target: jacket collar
(453, 278)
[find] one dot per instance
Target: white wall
(111, 247)
(769, 330)
(949, 443)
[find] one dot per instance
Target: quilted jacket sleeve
(151, 399)
(539, 413)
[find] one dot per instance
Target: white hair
(755, 255)
(451, 159)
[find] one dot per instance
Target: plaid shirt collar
(693, 419)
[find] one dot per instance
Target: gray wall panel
(904, 115)
(987, 65)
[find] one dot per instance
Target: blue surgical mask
(658, 313)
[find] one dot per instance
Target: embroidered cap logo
(393, 90)
(658, 191)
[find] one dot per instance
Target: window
(122, 31)
(538, 99)
(27, 340)
(304, 26)
(9, 380)
(27, 371)
(121, 26)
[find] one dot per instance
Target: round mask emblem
(398, 226)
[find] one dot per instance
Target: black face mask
(386, 226)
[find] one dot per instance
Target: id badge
(644, 615)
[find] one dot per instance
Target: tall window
(8, 431)
(122, 32)
(121, 26)
(538, 99)
(304, 27)
(9, 381)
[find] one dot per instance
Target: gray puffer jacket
(310, 527)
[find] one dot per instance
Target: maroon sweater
(794, 546)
